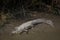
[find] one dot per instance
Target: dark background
(23, 9)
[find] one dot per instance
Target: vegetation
(15, 9)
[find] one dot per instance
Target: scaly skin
(28, 25)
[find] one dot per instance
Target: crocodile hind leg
(24, 31)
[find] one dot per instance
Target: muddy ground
(40, 32)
